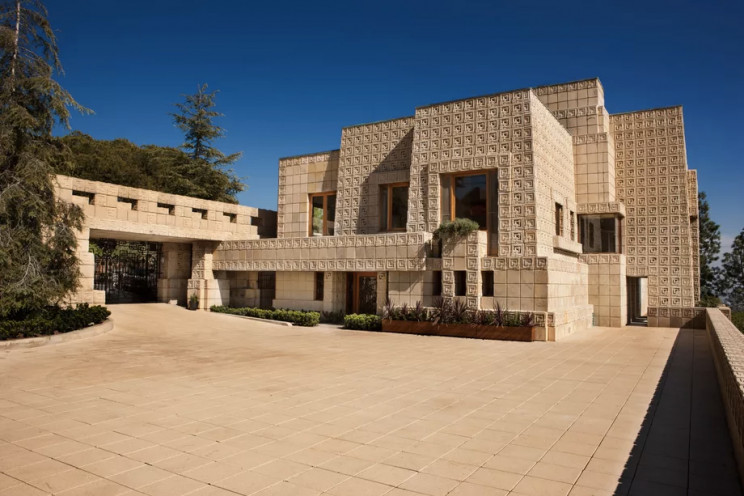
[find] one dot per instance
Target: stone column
(202, 283)
(87, 265)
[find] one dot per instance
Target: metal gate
(127, 271)
(267, 289)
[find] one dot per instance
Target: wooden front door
(365, 292)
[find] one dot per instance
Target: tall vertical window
(322, 214)
(393, 207)
(436, 289)
(474, 197)
(461, 283)
(319, 286)
(572, 219)
(558, 219)
(487, 283)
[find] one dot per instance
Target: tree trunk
(15, 45)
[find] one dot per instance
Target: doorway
(361, 292)
(637, 288)
(266, 289)
(127, 271)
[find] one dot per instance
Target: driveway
(173, 402)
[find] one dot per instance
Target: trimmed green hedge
(296, 317)
(53, 320)
(363, 322)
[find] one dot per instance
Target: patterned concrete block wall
(409, 288)
(727, 344)
(652, 181)
(371, 155)
(298, 178)
(693, 207)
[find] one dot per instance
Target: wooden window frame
(356, 276)
(325, 196)
(453, 205)
(389, 206)
(490, 174)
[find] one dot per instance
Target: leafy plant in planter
(193, 301)
(455, 229)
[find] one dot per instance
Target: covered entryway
(126, 270)
(266, 289)
(637, 288)
(361, 292)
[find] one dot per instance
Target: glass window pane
(493, 214)
(445, 198)
(470, 198)
(399, 207)
(598, 234)
(316, 214)
(331, 214)
(383, 208)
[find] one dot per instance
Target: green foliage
(38, 266)
(455, 229)
(159, 168)
(296, 317)
(53, 320)
(417, 313)
(710, 247)
(363, 322)
(733, 271)
(332, 317)
(709, 301)
(738, 320)
(195, 117)
(449, 311)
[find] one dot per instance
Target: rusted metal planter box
(460, 330)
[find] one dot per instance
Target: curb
(87, 332)
(265, 321)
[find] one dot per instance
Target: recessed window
(558, 219)
(393, 207)
(84, 194)
(599, 233)
(170, 208)
(233, 218)
(436, 289)
(572, 219)
(131, 201)
(202, 212)
(461, 283)
(322, 214)
(319, 286)
(487, 283)
(475, 197)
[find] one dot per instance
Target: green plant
(709, 301)
(53, 320)
(297, 317)
(363, 322)
(193, 301)
(336, 317)
(454, 229)
(737, 318)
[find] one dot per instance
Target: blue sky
(291, 74)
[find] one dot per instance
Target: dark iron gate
(267, 289)
(127, 271)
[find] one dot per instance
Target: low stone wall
(727, 343)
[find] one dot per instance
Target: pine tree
(210, 167)
(710, 247)
(37, 232)
(733, 274)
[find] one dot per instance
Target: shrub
(53, 320)
(332, 317)
(363, 322)
(297, 317)
(709, 301)
(454, 229)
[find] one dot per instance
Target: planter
(460, 330)
(193, 305)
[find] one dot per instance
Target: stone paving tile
(178, 402)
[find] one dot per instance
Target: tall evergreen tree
(733, 274)
(710, 248)
(210, 167)
(37, 233)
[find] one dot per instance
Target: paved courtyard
(173, 402)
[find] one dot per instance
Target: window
(233, 218)
(319, 286)
(131, 201)
(487, 283)
(322, 214)
(393, 207)
(461, 285)
(84, 194)
(572, 219)
(599, 233)
(475, 197)
(202, 212)
(558, 219)
(436, 289)
(167, 206)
